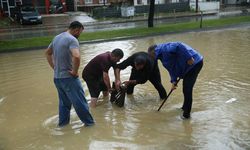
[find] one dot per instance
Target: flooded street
(220, 114)
(55, 25)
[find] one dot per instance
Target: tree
(151, 14)
(196, 6)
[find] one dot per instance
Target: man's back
(99, 64)
(61, 46)
(130, 61)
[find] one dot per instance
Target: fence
(170, 7)
(160, 8)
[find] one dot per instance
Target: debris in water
(231, 100)
(1, 99)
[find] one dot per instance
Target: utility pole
(151, 14)
(196, 6)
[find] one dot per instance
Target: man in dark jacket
(143, 69)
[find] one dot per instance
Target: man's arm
(117, 78)
(117, 74)
(123, 65)
(130, 82)
(48, 54)
(76, 58)
(106, 80)
(190, 61)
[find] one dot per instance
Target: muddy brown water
(220, 114)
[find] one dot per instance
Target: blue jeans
(70, 92)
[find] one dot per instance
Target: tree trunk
(151, 14)
(196, 5)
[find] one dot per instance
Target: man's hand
(93, 103)
(126, 83)
(117, 84)
(74, 74)
(190, 61)
(174, 86)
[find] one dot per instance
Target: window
(80, 2)
(102, 1)
(88, 1)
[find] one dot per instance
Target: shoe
(180, 109)
(88, 125)
(185, 117)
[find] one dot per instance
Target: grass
(4, 22)
(10, 45)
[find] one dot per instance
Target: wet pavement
(54, 24)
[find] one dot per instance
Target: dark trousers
(154, 78)
(188, 84)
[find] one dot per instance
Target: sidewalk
(56, 23)
(87, 20)
(65, 18)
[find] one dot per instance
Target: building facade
(43, 6)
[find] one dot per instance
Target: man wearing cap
(63, 55)
(96, 74)
(183, 62)
(143, 69)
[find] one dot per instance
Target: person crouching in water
(143, 69)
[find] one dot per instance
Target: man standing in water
(96, 74)
(143, 69)
(63, 55)
(183, 62)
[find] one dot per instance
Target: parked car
(27, 15)
(56, 8)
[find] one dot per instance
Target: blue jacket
(174, 57)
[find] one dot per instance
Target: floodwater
(220, 114)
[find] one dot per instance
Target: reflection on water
(220, 114)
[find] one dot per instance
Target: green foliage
(5, 22)
(13, 45)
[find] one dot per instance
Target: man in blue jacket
(182, 62)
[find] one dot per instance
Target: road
(59, 23)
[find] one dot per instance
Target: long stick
(167, 96)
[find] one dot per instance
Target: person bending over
(96, 74)
(143, 69)
(183, 62)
